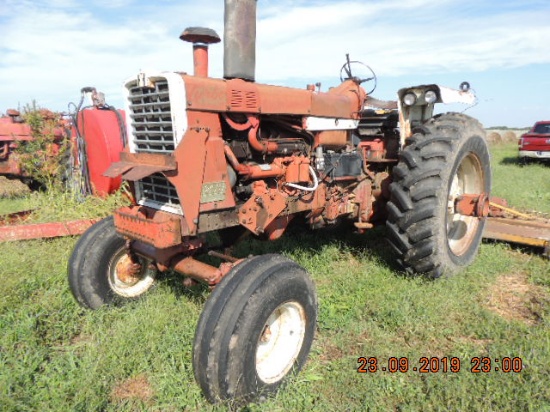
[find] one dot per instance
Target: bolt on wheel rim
(280, 342)
(461, 229)
(130, 284)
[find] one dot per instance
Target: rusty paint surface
(218, 95)
(373, 151)
(15, 217)
(215, 178)
(222, 256)
(218, 220)
(262, 208)
(45, 230)
(337, 138)
(127, 270)
(200, 60)
(10, 166)
(472, 205)
(205, 93)
(14, 130)
(162, 230)
(198, 270)
(137, 172)
(277, 228)
(191, 153)
(533, 233)
(135, 166)
(481, 205)
(243, 96)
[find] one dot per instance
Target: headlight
(430, 97)
(409, 99)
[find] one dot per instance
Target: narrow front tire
(101, 272)
(256, 329)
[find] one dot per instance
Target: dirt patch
(137, 387)
(480, 344)
(352, 345)
(80, 342)
(514, 298)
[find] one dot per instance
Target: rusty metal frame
(162, 229)
(533, 233)
(135, 166)
(45, 230)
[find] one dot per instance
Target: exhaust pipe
(201, 37)
(239, 52)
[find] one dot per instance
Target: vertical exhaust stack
(239, 52)
(201, 37)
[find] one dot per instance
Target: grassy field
(55, 356)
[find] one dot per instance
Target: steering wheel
(349, 76)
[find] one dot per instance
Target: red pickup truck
(535, 144)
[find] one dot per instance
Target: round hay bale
(494, 137)
(509, 136)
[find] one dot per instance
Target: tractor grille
(158, 190)
(151, 118)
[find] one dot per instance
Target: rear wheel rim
(461, 229)
(135, 285)
(280, 342)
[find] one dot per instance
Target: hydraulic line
(307, 189)
(80, 183)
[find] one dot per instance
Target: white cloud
(395, 41)
(50, 49)
(112, 4)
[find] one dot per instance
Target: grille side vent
(243, 100)
(151, 116)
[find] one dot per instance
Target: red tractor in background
(95, 133)
(232, 156)
(13, 130)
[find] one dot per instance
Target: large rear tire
(256, 329)
(98, 269)
(445, 158)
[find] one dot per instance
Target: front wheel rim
(125, 286)
(280, 342)
(469, 178)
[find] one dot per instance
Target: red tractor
(14, 130)
(233, 156)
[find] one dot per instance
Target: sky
(50, 49)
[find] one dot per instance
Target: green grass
(13, 205)
(526, 187)
(56, 356)
(56, 206)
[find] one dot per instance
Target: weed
(42, 157)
